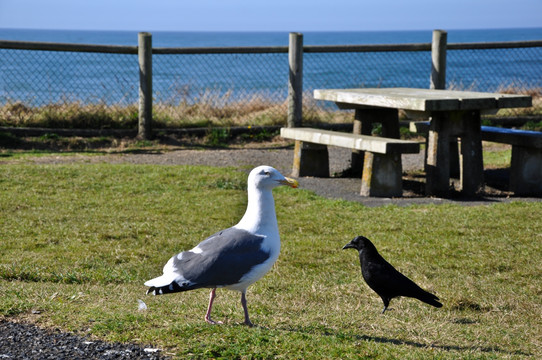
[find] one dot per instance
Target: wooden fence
(295, 50)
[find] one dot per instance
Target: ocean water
(43, 77)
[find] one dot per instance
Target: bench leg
(382, 175)
(526, 171)
(310, 160)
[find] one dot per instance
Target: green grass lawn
(78, 241)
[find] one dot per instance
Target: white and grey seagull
(233, 258)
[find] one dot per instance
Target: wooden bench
(526, 163)
(382, 169)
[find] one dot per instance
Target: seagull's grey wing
(221, 259)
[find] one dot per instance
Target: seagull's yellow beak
(289, 182)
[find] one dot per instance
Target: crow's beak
(349, 246)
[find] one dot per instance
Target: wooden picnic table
(453, 114)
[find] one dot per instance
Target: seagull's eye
(267, 173)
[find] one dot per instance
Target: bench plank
(372, 144)
(523, 138)
(382, 168)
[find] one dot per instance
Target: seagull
(383, 278)
(233, 258)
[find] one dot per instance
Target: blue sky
(269, 15)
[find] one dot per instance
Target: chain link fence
(220, 89)
(97, 87)
(517, 70)
(68, 89)
(365, 69)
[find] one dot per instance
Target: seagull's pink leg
(208, 314)
(244, 303)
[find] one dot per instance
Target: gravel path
(281, 159)
(24, 341)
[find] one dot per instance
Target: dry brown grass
(209, 110)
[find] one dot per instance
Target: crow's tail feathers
(429, 298)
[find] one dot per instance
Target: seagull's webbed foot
(211, 321)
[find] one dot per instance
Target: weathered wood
(454, 114)
(382, 167)
(222, 50)
(443, 128)
(471, 163)
(48, 46)
(367, 48)
(495, 45)
(438, 60)
(526, 163)
(364, 120)
(351, 141)
(122, 49)
(438, 157)
(426, 100)
(382, 175)
(526, 171)
(295, 82)
(310, 160)
(422, 127)
(356, 159)
(145, 85)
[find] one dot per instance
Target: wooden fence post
(438, 82)
(295, 82)
(438, 59)
(145, 85)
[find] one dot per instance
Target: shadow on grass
(496, 185)
(392, 341)
(51, 143)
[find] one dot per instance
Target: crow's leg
(386, 302)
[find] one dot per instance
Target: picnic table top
(421, 99)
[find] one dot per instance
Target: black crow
(383, 278)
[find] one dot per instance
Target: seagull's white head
(267, 177)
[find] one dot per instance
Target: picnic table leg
(364, 118)
(438, 156)
(362, 126)
(472, 166)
